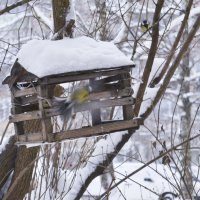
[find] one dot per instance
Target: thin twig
(148, 163)
(4, 132)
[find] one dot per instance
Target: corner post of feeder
(127, 109)
(16, 109)
(42, 99)
(96, 113)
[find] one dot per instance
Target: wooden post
(127, 109)
(16, 109)
(42, 95)
(96, 113)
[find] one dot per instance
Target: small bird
(65, 107)
(81, 95)
(145, 26)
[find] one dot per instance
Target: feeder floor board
(96, 130)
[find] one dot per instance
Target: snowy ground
(146, 184)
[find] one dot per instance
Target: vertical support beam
(127, 109)
(96, 113)
(42, 92)
(16, 109)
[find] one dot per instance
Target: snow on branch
(151, 57)
(104, 152)
(148, 98)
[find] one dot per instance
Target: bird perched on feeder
(145, 26)
(65, 107)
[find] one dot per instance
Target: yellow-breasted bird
(65, 106)
(145, 26)
(80, 95)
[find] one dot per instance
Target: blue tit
(145, 26)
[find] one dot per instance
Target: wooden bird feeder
(32, 96)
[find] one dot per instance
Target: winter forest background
(163, 154)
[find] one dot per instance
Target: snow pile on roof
(46, 57)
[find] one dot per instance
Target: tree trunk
(7, 163)
(102, 20)
(24, 157)
(187, 185)
(59, 15)
(108, 176)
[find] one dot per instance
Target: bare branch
(13, 6)
(174, 66)
(152, 53)
(148, 163)
(156, 80)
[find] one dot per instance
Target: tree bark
(186, 184)
(102, 21)
(157, 79)
(24, 157)
(151, 56)
(59, 15)
(7, 162)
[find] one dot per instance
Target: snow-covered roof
(47, 57)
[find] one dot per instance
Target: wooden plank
(19, 128)
(109, 79)
(25, 116)
(30, 138)
(107, 86)
(127, 109)
(104, 104)
(42, 90)
(96, 130)
(95, 112)
(79, 108)
(24, 92)
(113, 93)
(29, 78)
(96, 116)
(32, 99)
(85, 75)
(83, 132)
(94, 104)
(30, 107)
